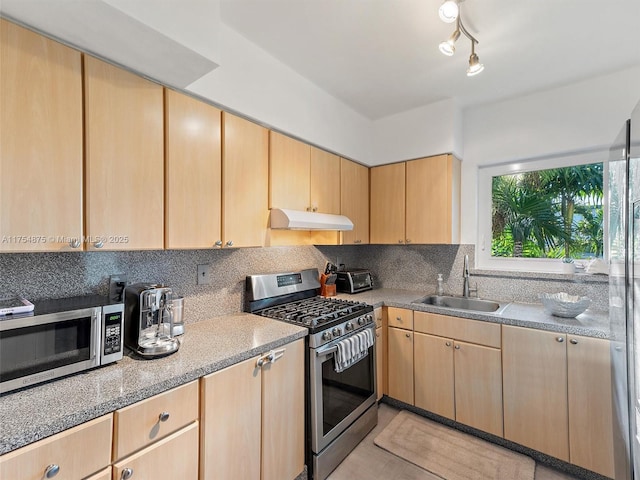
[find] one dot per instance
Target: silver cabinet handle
(400, 241)
(573, 341)
(308, 209)
(408, 240)
(457, 347)
(127, 473)
(75, 243)
(357, 241)
(560, 339)
(408, 335)
(218, 243)
(164, 416)
(229, 243)
(98, 244)
(448, 344)
(314, 209)
(51, 470)
(271, 357)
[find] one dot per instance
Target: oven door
(39, 348)
(338, 399)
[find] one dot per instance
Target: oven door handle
(334, 348)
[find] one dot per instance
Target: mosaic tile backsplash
(415, 267)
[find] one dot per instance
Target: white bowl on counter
(564, 305)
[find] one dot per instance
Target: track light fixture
(450, 12)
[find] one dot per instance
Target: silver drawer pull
(457, 347)
(573, 341)
(127, 473)
(75, 243)
(164, 416)
(560, 339)
(448, 344)
(51, 470)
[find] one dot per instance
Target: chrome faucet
(465, 279)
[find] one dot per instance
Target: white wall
(420, 132)
(257, 85)
(584, 115)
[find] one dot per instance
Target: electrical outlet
(204, 274)
(117, 283)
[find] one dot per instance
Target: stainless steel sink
(462, 303)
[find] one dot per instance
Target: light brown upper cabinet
(193, 157)
(302, 177)
(388, 203)
(124, 181)
(433, 200)
(416, 201)
(41, 147)
(245, 182)
(354, 200)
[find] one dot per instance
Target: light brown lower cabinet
(75, 453)
(557, 396)
(175, 456)
(253, 418)
(400, 364)
(381, 353)
(459, 380)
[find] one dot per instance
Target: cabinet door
(325, 192)
(289, 172)
(41, 147)
(478, 387)
(283, 414)
(78, 452)
(150, 419)
(193, 173)
(400, 364)
(354, 200)
(433, 374)
(388, 204)
(245, 182)
(400, 318)
(534, 371)
(124, 159)
(590, 404)
(433, 205)
(230, 421)
(175, 456)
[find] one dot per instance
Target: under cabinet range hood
(286, 219)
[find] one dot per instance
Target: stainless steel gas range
(340, 365)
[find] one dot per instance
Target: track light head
(448, 11)
(448, 47)
(475, 67)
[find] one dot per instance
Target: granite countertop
(591, 323)
(40, 411)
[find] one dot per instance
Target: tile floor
(368, 462)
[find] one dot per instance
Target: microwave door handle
(97, 336)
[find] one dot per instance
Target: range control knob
(326, 335)
(336, 332)
(361, 321)
(369, 318)
(349, 326)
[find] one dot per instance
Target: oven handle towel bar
(352, 349)
(271, 357)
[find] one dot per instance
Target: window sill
(574, 277)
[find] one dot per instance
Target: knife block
(326, 290)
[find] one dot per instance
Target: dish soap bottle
(440, 286)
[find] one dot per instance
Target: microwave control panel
(112, 333)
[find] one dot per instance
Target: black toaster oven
(354, 281)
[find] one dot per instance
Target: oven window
(343, 392)
(39, 348)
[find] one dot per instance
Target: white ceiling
(381, 56)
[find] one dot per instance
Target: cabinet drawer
(78, 452)
(175, 456)
(400, 318)
(101, 475)
(472, 331)
(140, 424)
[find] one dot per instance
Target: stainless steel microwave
(58, 338)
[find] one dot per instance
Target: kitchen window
(535, 215)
